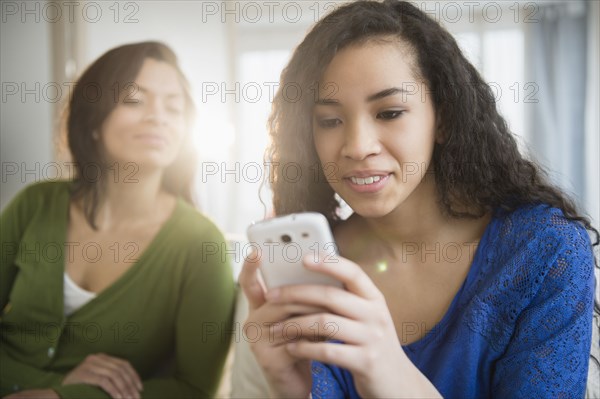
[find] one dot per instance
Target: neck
(418, 219)
(124, 201)
(421, 222)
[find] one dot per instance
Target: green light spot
(382, 266)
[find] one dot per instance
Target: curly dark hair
(109, 77)
(477, 167)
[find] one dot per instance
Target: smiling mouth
(363, 181)
(154, 138)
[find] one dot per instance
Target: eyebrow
(385, 93)
(373, 97)
(170, 95)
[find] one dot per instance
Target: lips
(367, 181)
(361, 181)
(150, 138)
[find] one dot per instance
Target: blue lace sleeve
(325, 385)
(524, 330)
(548, 354)
(332, 382)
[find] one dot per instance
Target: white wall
(27, 128)
(210, 38)
(26, 144)
(203, 48)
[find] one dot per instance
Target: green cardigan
(174, 303)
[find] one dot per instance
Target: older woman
(137, 280)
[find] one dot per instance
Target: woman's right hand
(114, 375)
(288, 376)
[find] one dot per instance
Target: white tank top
(75, 296)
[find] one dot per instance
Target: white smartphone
(284, 241)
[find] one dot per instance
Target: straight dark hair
(97, 92)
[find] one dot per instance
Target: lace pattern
(529, 303)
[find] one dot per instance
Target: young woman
(109, 278)
(466, 275)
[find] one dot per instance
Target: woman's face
(148, 124)
(374, 128)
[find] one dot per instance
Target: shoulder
(192, 224)
(542, 299)
(542, 232)
(531, 258)
(536, 251)
(196, 237)
(44, 190)
(38, 197)
(202, 250)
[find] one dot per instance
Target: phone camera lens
(286, 238)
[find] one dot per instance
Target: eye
(387, 115)
(329, 123)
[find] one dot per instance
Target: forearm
(175, 388)
(417, 385)
(17, 376)
(401, 381)
(77, 391)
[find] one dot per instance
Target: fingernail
(273, 294)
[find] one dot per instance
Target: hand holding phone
(284, 241)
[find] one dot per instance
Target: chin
(134, 165)
(377, 207)
(372, 211)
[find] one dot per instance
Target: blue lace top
(520, 325)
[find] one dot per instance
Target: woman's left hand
(361, 319)
(34, 394)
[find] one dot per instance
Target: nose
(155, 112)
(360, 140)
